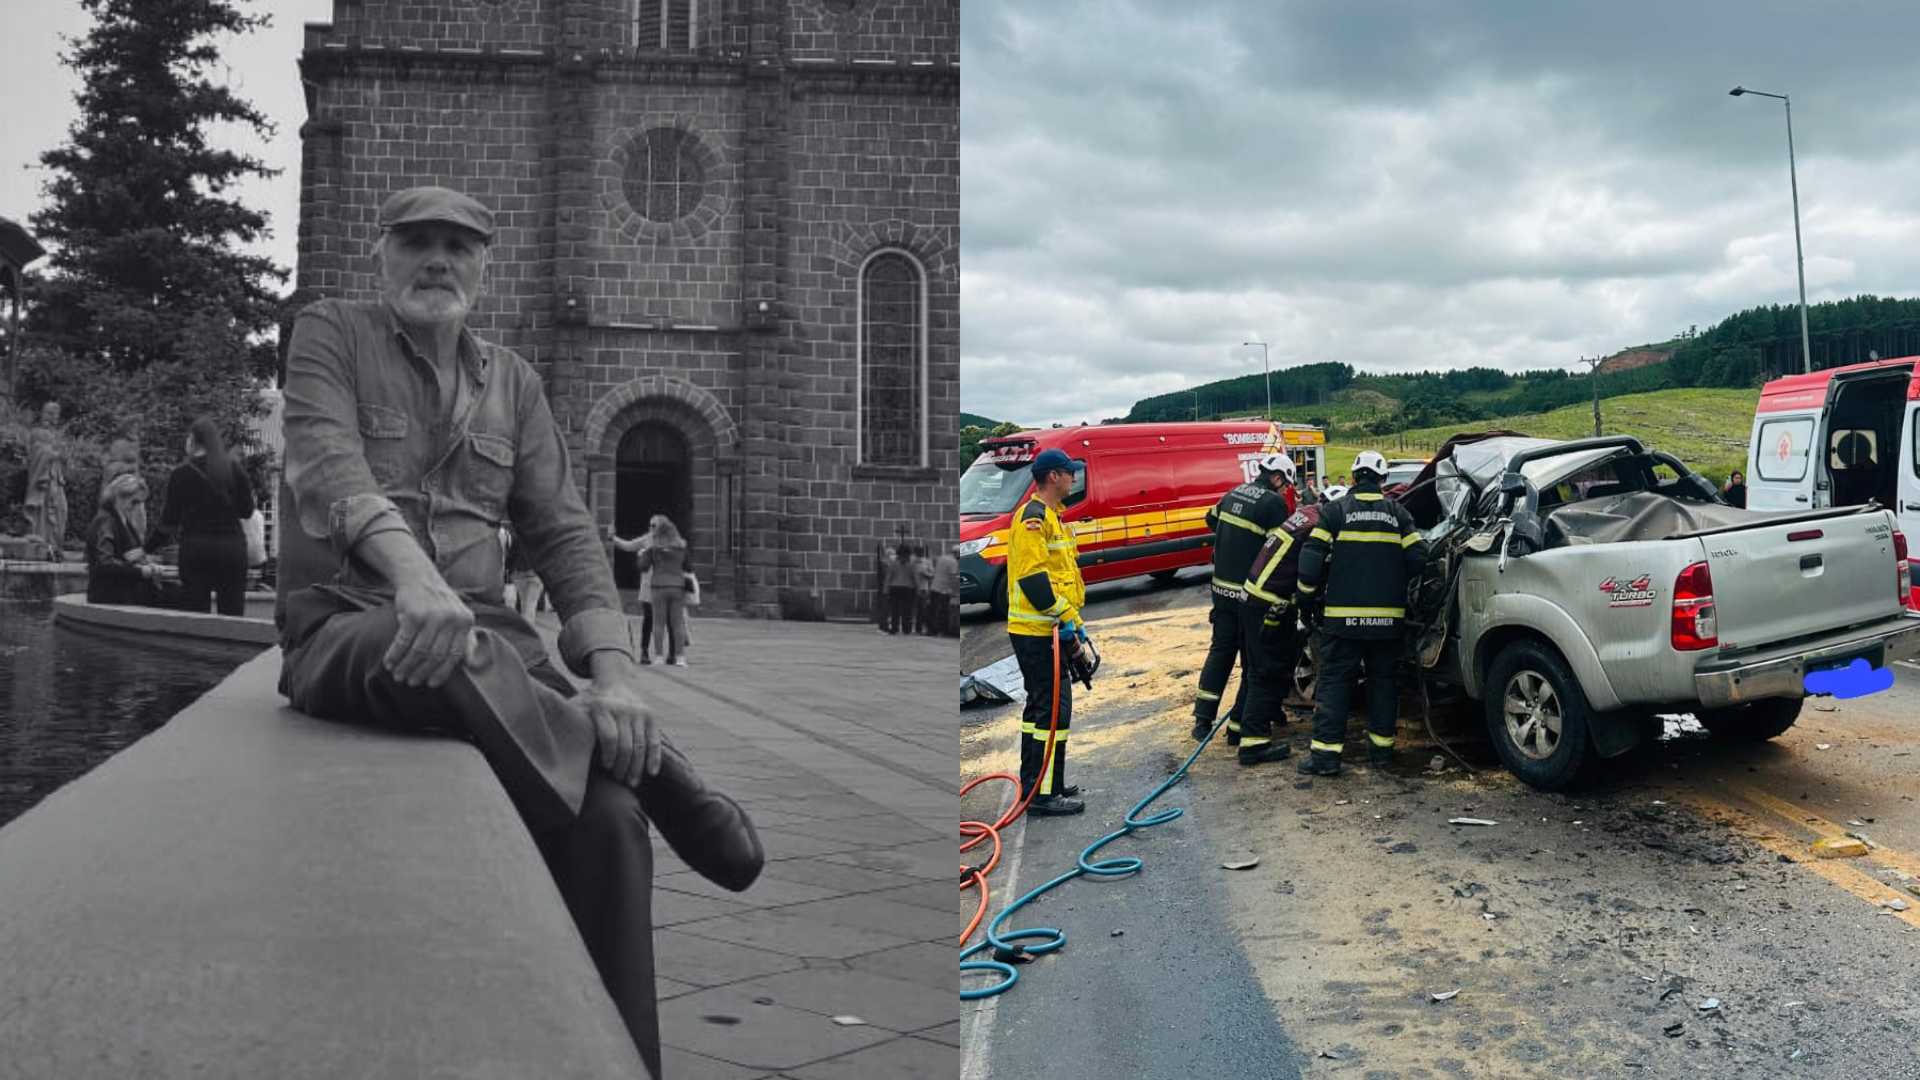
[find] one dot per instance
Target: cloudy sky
(1405, 185)
(37, 89)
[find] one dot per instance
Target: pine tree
(152, 311)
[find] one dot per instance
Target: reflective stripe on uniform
(1319, 533)
(1307, 589)
(1380, 740)
(1368, 496)
(1255, 590)
(1363, 537)
(1207, 695)
(1249, 741)
(1326, 747)
(1410, 539)
(1240, 522)
(1366, 613)
(1039, 731)
(1021, 616)
(1232, 724)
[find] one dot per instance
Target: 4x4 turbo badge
(1635, 593)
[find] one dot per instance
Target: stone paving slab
(843, 747)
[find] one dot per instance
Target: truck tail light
(1694, 624)
(1903, 572)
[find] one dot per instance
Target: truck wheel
(1537, 715)
(997, 596)
(1765, 719)
(1306, 670)
(1164, 576)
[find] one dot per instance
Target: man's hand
(623, 726)
(434, 628)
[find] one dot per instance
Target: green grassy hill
(1707, 429)
(968, 419)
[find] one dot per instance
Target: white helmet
(1333, 493)
(1371, 461)
(1278, 462)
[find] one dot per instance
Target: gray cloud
(1421, 184)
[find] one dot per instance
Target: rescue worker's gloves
(1310, 613)
(1277, 624)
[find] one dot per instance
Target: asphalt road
(1578, 930)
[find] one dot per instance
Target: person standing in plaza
(643, 596)
(923, 590)
(664, 563)
(946, 590)
(901, 584)
(207, 498)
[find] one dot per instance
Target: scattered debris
(1669, 992)
(1710, 1005)
(1914, 889)
(1791, 1004)
(1245, 864)
(1404, 847)
(1438, 764)
(763, 1001)
(1013, 955)
(1863, 838)
(1894, 905)
(1342, 802)
(1117, 933)
(1488, 915)
(1648, 978)
(849, 1021)
(1823, 706)
(1331, 1055)
(1470, 821)
(1448, 996)
(1834, 847)
(1823, 746)
(1471, 888)
(1857, 823)
(1674, 1029)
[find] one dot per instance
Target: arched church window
(893, 363)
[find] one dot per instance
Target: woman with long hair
(643, 596)
(208, 496)
(118, 569)
(666, 557)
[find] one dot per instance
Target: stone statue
(47, 482)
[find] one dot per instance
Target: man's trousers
(1237, 634)
(1341, 660)
(1037, 672)
(513, 704)
(1266, 674)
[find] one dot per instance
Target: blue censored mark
(1857, 679)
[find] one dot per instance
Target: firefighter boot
(1321, 763)
(1055, 806)
(1380, 756)
(1262, 753)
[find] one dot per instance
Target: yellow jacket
(1043, 572)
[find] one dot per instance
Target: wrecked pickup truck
(1578, 589)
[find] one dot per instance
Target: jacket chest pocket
(383, 439)
(489, 472)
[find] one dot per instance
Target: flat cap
(420, 205)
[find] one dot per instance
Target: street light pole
(1269, 370)
(1799, 256)
(1196, 404)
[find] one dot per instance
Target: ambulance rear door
(1780, 460)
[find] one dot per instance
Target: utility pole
(1196, 404)
(1595, 362)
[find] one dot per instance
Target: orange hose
(977, 831)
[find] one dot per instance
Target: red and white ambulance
(1839, 437)
(1139, 508)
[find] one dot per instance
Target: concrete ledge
(256, 628)
(250, 892)
(40, 580)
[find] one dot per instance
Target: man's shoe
(1260, 755)
(709, 831)
(645, 659)
(1201, 728)
(1321, 763)
(1233, 737)
(1055, 806)
(1380, 756)
(1070, 790)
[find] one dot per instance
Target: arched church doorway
(653, 474)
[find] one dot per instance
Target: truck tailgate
(1775, 581)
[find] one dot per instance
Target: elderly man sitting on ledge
(409, 441)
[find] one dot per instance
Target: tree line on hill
(1741, 350)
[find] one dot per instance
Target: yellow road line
(1773, 823)
(1807, 819)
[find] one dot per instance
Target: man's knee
(610, 814)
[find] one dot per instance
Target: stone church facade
(728, 239)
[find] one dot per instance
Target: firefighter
(1271, 586)
(1245, 517)
(1044, 594)
(1352, 583)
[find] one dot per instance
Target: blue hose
(1046, 938)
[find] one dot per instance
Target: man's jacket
(1043, 572)
(1275, 570)
(369, 449)
(1243, 520)
(1363, 551)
